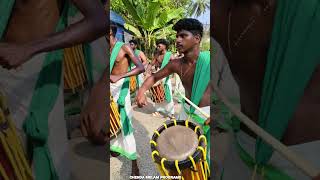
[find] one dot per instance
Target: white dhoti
(123, 144)
(165, 106)
(18, 88)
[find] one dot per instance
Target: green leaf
(131, 10)
(133, 29)
(151, 14)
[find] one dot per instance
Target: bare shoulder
(174, 64)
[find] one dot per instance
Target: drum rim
(184, 164)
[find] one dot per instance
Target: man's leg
(135, 168)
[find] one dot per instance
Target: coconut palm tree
(198, 7)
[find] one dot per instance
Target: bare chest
(121, 64)
(247, 61)
(32, 19)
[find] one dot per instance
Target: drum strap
(165, 61)
(201, 78)
(125, 121)
(115, 51)
(36, 123)
(5, 9)
(286, 77)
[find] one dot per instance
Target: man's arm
(166, 71)
(143, 58)
(92, 26)
(93, 115)
(153, 62)
(139, 67)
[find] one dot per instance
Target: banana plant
(147, 18)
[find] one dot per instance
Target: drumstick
(290, 155)
(195, 106)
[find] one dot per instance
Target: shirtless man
(121, 57)
(133, 44)
(162, 55)
(142, 57)
(189, 34)
(247, 59)
(29, 31)
(162, 46)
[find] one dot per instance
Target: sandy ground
(144, 124)
(90, 162)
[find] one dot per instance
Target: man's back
(248, 60)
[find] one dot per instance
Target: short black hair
(189, 24)
(163, 41)
(114, 29)
(133, 41)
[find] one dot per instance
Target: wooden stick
(195, 106)
(290, 155)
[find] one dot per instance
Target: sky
(204, 18)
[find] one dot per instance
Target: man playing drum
(142, 57)
(34, 91)
(161, 59)
(120, 59)
(273, 52)
(193, 67)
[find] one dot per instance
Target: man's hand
(93, 115)
(13, 56)
(114, 78)
(141, 100)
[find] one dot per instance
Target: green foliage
(151, 20)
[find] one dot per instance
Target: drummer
(161, 58)
(121, 54)
(252, 57)
(193, 67)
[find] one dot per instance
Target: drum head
(177, 143)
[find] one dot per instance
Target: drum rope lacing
(204, 166)
(75, 73)
(115, 123)
(12, 146)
